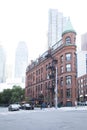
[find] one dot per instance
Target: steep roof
(68, 28)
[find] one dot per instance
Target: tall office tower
(81, 63)
(21, 61)
(56, 24)
(2, 64)
(84, 42)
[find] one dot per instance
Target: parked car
(13, 107)
(27, 106)
(19, 106)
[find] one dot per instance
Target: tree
(0, 97)
(17, 94)
(6, 96)
(14, 95)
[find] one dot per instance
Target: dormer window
(68, 40)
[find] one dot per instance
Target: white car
(13, 107)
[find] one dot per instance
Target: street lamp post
(56, 90)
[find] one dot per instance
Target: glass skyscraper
(81, 63)
(56, 23)
(21, 61)
(84, 42)
(2, 65)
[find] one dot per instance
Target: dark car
(13, 107)
(27, 106)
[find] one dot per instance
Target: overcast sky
(27, 20)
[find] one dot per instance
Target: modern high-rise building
(82, 77)
(82, 71)
(84, 42)
(2, 64)
(81, 63)
(56, 24)
(21, 61)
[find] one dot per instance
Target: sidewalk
(65, 108)
(74, 108)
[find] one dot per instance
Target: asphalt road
(43, 120)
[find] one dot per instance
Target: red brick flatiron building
(40, 74)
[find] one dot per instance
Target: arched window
(68, 40)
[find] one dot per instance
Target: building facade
(82, 77)
(84, 42)
(81, 63)
(56, 24)
(82, 88)
(21, 61)
(40, 74)
(2, 65)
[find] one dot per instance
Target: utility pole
(56, 90)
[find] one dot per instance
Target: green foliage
(17, 94)
(6, 96)
(14, 95)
